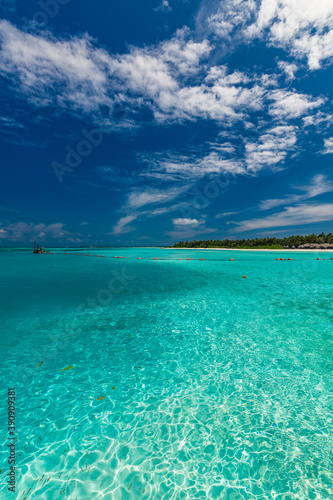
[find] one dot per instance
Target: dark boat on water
(38, 249)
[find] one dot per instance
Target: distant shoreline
(259, 249)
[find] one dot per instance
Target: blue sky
(143, 123)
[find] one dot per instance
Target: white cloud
(301, 27)
(21, 231)
(159, 77)
(318, 185)
(268, 150)
(271, 148)
(38, 62)
(177, 167)
(87, 77)
(328, 145)
(290, 104)
(290, 216)
(225, 214)
(137, 198)
(319, 118)
(122, 226)
(229, 18)
(186, 223)
(188, 228)
(289, 69)
(164, 6)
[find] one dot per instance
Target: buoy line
(176, 260)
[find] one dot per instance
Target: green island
(323, 241)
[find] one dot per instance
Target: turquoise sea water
(215, 386)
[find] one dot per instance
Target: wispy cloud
(320, 184)
(260, 150)
(173, 166)
(123, 225)
(291, 216)
(163, 7)
(138, 198)
(10, 122)
(328, 146)
(271, 148)
(289, 69)
(225, 214)
(25, 232)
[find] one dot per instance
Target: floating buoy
(102, 255)
(116, 257)
(85, 255)
(290, 259)
(188, 259)
(231, 259)
(318, 258)
(64, 253)
(244, 276)
(155, 258)
(282, 259)
(91, 255)
(79, 254)
(278, 259)
(121, 257)
(202, 259)
(139, 258)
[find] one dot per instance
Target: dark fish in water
(68, 368)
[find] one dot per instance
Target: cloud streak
(320, 184)
(301, 214)
(23, 232)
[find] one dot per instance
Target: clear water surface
(214, 386)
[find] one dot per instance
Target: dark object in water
(38, 249)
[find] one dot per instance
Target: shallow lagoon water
(214, 386)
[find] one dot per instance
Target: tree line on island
(311, 241)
